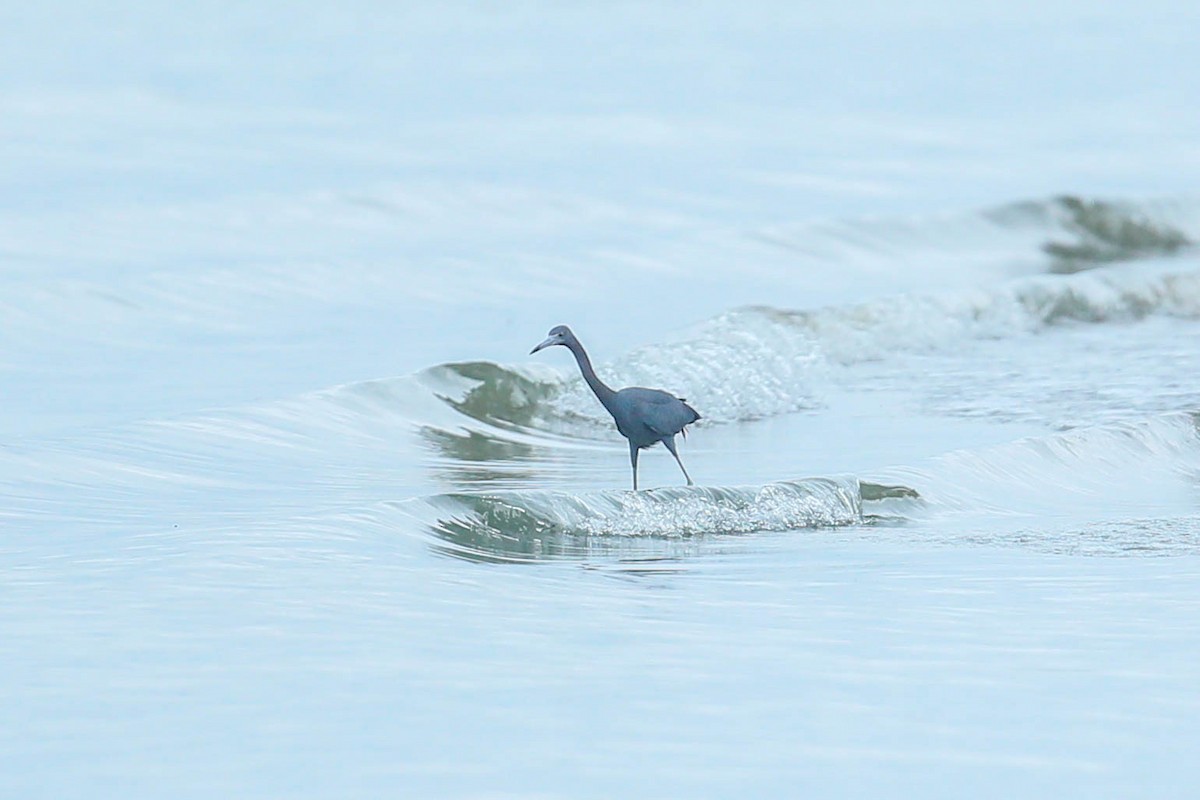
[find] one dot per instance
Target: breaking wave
(1103, 232)
(530, 524)
(758, 362)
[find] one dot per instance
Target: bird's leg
(670, 444)
(633, 451)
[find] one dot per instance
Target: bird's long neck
(603, 392)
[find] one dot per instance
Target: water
(287, 510)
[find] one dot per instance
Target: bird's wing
(662, 412)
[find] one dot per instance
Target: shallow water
(288, 511)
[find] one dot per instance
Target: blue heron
(644, 416)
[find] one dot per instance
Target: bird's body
(643, 416)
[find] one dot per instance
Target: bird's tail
(695, 416)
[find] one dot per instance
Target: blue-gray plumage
(644, 416)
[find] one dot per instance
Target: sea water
(286, 509)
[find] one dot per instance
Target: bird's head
(559, 334)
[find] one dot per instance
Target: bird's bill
(544, 345)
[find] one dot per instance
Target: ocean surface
(288, 511)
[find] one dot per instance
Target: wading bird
(644, 416)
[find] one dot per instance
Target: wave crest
(532, 523)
